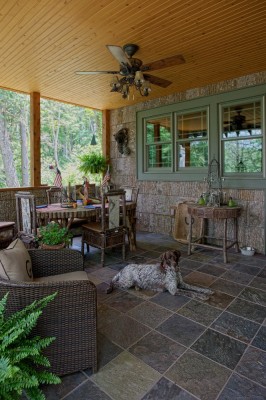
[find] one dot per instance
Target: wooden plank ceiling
(43, 43)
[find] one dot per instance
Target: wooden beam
(35, 139)
(106, 133)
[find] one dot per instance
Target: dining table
(66, 215)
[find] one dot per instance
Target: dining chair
(54, 195)
(110, 231)
(131, 195)
(26, 218)
(7, 233)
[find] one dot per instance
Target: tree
(66, 133)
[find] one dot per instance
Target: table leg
(130, 222)
(189, 235)
(236, 234)
(225, 241)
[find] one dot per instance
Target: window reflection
(192, 143)
(158, 142)
(242, 138)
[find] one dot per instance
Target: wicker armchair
(70, 317)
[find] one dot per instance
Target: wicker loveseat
(70, 317)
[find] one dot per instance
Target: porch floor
(155, 346)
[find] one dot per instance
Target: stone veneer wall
(156, 197)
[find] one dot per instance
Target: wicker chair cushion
(68, 276)
(15, 262)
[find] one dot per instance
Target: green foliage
(19, 353)
(66, 133)
(53, 234)
(93, 163)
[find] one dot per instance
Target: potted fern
(53, 236)
(21, 355)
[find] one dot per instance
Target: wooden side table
(6, 233)
(214, 213)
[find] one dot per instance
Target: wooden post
(106, 133)
(35, 139)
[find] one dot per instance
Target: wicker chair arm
(70, 318)
(54, 262)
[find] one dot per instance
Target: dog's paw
(109, 289)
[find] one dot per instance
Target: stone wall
(156, 197)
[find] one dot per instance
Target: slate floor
(154, 346)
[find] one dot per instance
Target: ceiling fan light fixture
(115, 84)
(139, 79)
(145, 89)
(125, 91)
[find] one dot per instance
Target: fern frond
(19, 353)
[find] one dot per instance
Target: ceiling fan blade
(119, 54)
(155, 80)
(164, 63)
(96, 72)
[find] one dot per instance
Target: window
(241, 138)
(158, 135)
(192, 139)
(177, 142)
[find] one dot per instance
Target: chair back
(54, 195)
(131, 193)
(80, 190)
(113, 207)
(26, 213)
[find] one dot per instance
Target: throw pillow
(15, 262)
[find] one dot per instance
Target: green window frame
(216, 108)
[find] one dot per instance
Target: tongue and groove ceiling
(43, 43)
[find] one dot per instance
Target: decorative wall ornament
(121, 138)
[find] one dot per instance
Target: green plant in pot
(54, 236)
(21, 353)
(93, 163)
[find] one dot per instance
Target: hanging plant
(93, 163)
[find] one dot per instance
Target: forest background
(66, 134)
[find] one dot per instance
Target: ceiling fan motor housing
(131, 69)
(130, 49)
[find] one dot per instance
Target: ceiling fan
(131, 70)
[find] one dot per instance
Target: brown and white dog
(163, 276)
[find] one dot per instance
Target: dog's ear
(163, 257)
(177, 255)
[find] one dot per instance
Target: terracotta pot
(52, 246)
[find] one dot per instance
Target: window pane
(242, 120)
(243, 155)
(158, 130)
(159, 155)
(193, 154)
(192, 126)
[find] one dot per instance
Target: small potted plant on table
(53, 236)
